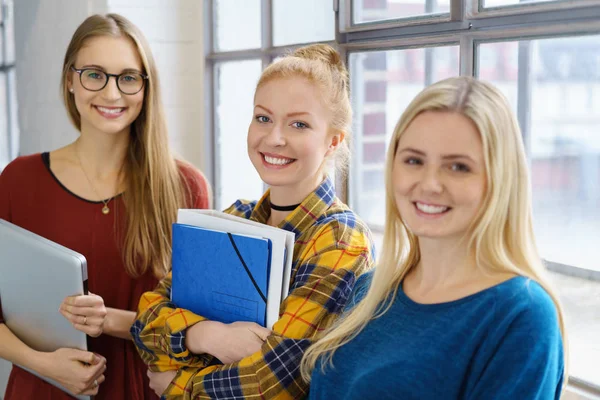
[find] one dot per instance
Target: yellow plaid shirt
(332, 248)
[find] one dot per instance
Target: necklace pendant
(105, 210)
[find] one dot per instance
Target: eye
(300, 125)
(94, 74)
(262, 119)
(460, 167)
(129, 78)
(413, 161)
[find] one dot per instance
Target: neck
(288, 195)
(443, 264)
(102, 155)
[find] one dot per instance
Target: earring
(71, 90)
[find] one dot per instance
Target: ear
(335, 140)
(69, 82)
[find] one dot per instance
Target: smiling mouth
(277, 161)
(431, 209)
(110, 110)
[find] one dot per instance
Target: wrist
(199, 337)
(41, 362)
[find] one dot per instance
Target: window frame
(6, 68)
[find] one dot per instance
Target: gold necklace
(105, 209)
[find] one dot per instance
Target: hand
(80, 372)
(86, 313)
(228, 342)
(160, 381)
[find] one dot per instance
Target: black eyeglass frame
(108, 76)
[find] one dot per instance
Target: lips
(431, 209)
(110, 112)
(276, 160)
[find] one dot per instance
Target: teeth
(431, 209)
(110, 110)
(277, 161)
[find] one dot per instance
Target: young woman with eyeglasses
(111, 195)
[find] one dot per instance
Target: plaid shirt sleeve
(325, 275)
(159, 331)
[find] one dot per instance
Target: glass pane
(231, 18)
(7, 33)
(500, 3)
(302, 21)
(380, 10)
(563, 77)
(14, 121)
(4, 151)
(236, 176)
(383, 83)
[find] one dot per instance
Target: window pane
(563, 75)
(4, 153)
(1, 44)
(302, 21)
(500, 3)
(231, 18)
(14, 121)
(369, 10)
(236, 177)
(383, 84)
(10, 33)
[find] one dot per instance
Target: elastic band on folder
(246, 268)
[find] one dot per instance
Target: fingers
(89, 329)
(260, 332)
(84, 301)
(85, 357)
(97, 359)
(75, 310)
(92, 390)
(88, 320)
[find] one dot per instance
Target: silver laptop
(36, 275)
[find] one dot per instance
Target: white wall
(43, 29)
(174, 29)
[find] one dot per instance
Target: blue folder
(220, 276)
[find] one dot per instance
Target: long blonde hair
(501, 235)
(155, 187)
(322, 65)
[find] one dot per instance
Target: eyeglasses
(95, 80)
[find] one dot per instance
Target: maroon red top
(33, 198)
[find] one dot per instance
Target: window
(557, 81)
(230, 16)
(547, 64)
(383, 83)
(499, 3)
(368, 11)
(236, 81)
(302, 21)
(8, 100)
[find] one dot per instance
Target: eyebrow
(292, 114)
(444, 157)
(104, 69)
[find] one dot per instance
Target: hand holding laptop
(86, 313)
(80, 372)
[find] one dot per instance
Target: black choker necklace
(284, 208)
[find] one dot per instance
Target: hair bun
(326, 54)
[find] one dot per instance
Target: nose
(431, 181)
(275, 137)
(111, 90)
